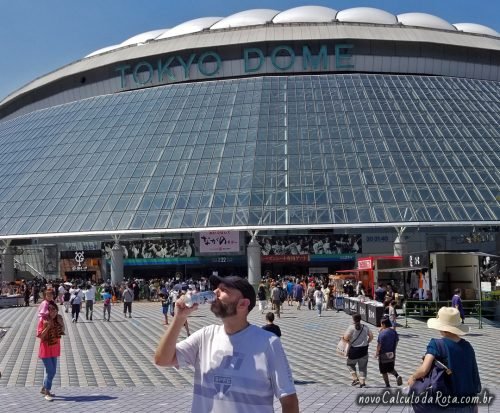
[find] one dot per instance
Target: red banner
(268, 259)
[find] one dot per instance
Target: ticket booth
(370, 270)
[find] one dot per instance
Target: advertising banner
(317, 244)
(365, 264)
(267, 259)
(219, 242)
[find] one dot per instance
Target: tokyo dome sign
(254, 60)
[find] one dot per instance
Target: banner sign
(321, 244)
(145, 249)
(365, 264)
(219, 242)
(268, 259)
(416, 259)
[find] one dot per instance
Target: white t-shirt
(236, 373)
(89, 294)
(318, 296)
(77, 293)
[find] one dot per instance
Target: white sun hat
(448, 319)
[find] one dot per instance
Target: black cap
(237, 283)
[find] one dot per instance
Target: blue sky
(39, 36)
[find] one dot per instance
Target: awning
(479, 254)
(355, 270)
(402, 269)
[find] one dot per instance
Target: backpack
(107, 301)
(283, 295)
(437, 380)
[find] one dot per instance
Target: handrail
(429, 309)
(29, 265)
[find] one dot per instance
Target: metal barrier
(429, 309)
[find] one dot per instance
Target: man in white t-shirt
(89, 295)
(239, 367)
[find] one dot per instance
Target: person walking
(66, 298)
(289, 291)
(60, 294)
(387, 342)
(106, 297)
(454, 352)
(326, 296)
(270, 326)
(261, 295)
(165, 303)
(359, 337)
(310, 296)
(318, 299)
(276, 299)
(456, 302)
(49, 331)
(76, 302)
(89, 294)
(27, 294)
(298, 294)
(128, 298)
(238, 366)
(393, 314)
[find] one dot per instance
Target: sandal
(355, 382)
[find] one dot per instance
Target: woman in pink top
(43, 311)
(49, 332)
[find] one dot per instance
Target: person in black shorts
(386, 352)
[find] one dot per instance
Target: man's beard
(222, 310)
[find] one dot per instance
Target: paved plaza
(109, 366)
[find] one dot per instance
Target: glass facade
(267, 151)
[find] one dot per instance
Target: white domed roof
(191, 26)
(252, 17)
(104, 50)
(306, 14)
(143, 37)
(366, 15)
(476, 28)
(424, 20)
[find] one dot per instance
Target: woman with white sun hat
(456, 353)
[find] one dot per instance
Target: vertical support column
(8, 264)
(254, 262)
(400, 247)
(116, 264)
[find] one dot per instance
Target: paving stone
(110, 365)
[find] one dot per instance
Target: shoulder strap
(443, 353)
(360, 331)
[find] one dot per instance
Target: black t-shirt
(273, 328)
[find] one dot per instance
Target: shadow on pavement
(83, 399)
(304, 382)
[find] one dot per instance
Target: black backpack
(283, 295)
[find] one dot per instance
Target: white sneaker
(49, 398)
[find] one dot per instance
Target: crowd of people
(251, 358)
